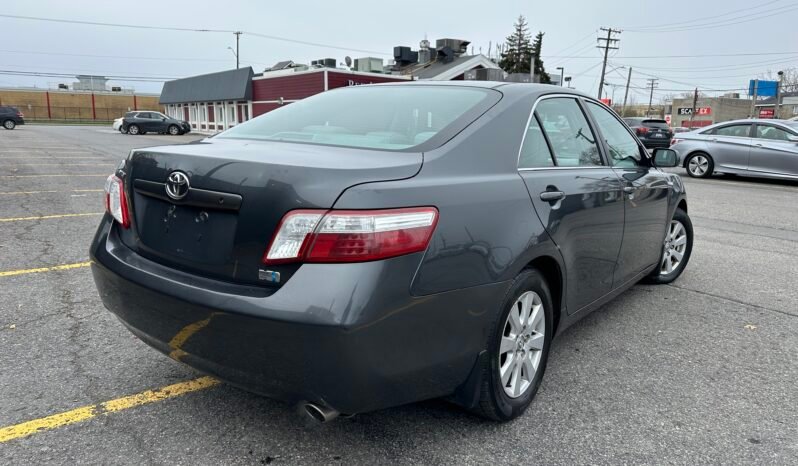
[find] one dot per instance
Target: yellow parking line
(47, 217)
(120, 404)
(96, 164)
(9, 193)
(51, 158)
(40, 176)
(77, 265)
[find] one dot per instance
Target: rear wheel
(519, 349)
(134, 130)
(173, 130)
(676, 249)
(700, 165)
(9, 124)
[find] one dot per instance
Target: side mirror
(665, 158)
(163, 118)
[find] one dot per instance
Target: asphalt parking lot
(701, 371)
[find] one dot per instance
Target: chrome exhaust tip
(320, 414)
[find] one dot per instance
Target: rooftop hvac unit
(63, 86)
(368, 65)
(404, 56)
(116, 89)
(484, 74)
(459, 46)
(325, 62)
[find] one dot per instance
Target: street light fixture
(562, 75)
(234, 54)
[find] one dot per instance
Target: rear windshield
(656, 124)
(374, 117)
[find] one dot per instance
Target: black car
(153, 122)
(378, 245)
(653, 133)
(10, 117)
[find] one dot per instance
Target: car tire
(699, 165)
(9, 124)
(675, 255)
(134, 130)
(122, 130)
(496, 401)
(173, 130)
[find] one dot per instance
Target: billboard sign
(607, 102)
(700, 111)
(763, 88)
(766, 113)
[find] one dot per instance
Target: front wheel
(518, 349)
(676, 249)
(174, 130)
(700, 166)
(9, 124)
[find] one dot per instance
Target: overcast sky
(752, 32)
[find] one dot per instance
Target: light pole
(234, 54)
(562, 75)
(778, 96)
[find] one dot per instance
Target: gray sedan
(766, 148)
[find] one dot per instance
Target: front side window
(378, 117)
(624, 150)
(741, 131)
(572, 140)
(772, 133)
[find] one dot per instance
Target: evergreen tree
(517, 54)
(539, 69)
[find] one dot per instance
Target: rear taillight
(675, 141)
(351, 235)
(116, 201)
(641, 130)
(20, 114)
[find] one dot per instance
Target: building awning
(221, 86)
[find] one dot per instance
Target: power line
(696, 20)
(71, 75)
(749, 54)
(181, 29)
(715, 25)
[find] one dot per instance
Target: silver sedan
(766, 148)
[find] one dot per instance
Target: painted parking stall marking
(54, 268)
(85, 413)
(48, 217)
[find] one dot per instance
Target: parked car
(680, 129)
(652, 132)
(377, 245)
(117, 125)
(153, 122)
(10, 117)
(795, 118)
(753, 147)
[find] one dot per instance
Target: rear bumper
(656, 143)
(348, 336)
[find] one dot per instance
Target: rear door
(646, 192)
(576, 195)
(773, 152)
(730, 146)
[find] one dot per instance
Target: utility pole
(238, 36)
(609, 44)
(778, 96)
(653, 83)
(626, 94)
(562, 75)
(753, 100)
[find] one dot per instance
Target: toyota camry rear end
(284, 256)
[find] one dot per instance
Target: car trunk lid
(239, 191)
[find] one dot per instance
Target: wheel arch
(552, 272)
(682, 205)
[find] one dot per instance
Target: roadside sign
(700, 111)
(763, 88)
(668, 119)
(607, 102)
(766, 113)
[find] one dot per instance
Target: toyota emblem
(177, 185)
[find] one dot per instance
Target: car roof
(529, 88)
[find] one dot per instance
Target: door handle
(552, 196)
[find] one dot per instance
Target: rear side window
(572, 140)
(742, 131)
(772, 133)
(535, 151)
(378, 117)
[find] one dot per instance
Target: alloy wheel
(173, 130)
(675, 247)
(698, 165)
(521, 344)
(133, 130)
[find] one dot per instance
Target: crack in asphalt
(737, 301)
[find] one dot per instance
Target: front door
(646, 193)
(773, 152)
(576, 195)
